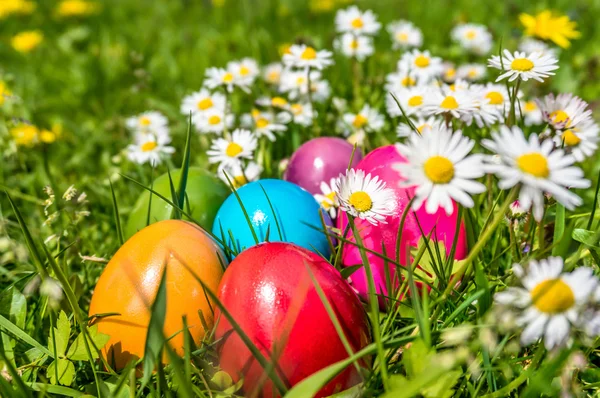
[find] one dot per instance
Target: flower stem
(373, 301)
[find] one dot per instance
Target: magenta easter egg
(385, 236)
(320, 159)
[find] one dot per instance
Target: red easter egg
(269, 292)
(385, 236)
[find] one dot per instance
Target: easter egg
(277, 210)
(129, 283)
(320, 159)
(204, 194)
(269, 292)
(385, 236)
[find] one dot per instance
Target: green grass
(90, 74)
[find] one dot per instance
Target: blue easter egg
(294, 209)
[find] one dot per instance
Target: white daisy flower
(327, 198)
(492, 104)
(473, 37)
(404, 130)
(213, 121)
(352, 46)
(411, 99)
(422, 64)
(529, 45)
(564, 111)
(396, 81)
(439, 165)
(354, 21)
(302, 113)
(303, 56)
(471, 72)
(149, 122)
(150, 149)
(272, 73)
(368, 119)
(365, 197)
(448, 72)
(458, 103)
(200, 102)
(580, 141)
(241, 145)
(320, 89)
(524, 66)
(219, 77)
(532, 113)
(265, 125)
(405, 35)
(245, 71)
(238, 174)
(551, 301)
(538, 167)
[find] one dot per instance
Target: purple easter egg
(320, 159)
(383, 238)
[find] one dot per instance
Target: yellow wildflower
(557, 28)
(27, 41)
(76, 8)
(49, 136)
(25, 134)
(4, 92)
(22, 7)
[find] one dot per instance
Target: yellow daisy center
(361, 201)
(233, 149)
(205, 103)
(278, 101)
(570, 138)
(559, 116)
(408, 81)
(244, 70)
(471, 34)
(449, 103)
(415, 100)
(262, 122)
(422, 61)
(273, 76)
(214, 119)
(552, 296)
(300, 81)
(495, 97)
(521, 65)
(327, 204)
(309, 53)
(296, 109)
(149, 146)
(357, 23)
(402, 36)
(359, 121)
(423, 127)
(354, 44)
(439, 169)
(144, 121)
(228, 77)
(530, 106)
(472, 73)
(535, 164)
(238, 181)
(450, 73)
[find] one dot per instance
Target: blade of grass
(116, 214)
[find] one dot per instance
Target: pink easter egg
(318, 160)
(383, 238)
